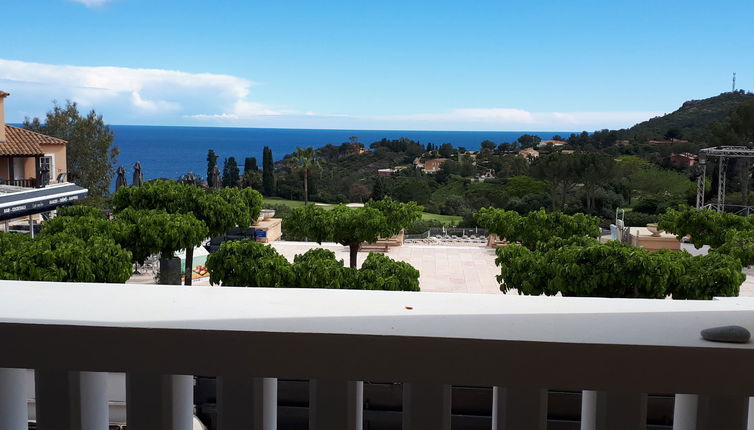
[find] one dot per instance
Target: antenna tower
(734, 82)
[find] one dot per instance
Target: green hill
(690, 121)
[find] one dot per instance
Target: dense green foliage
(90, 154)
(231, 173)
(251, 264)
(268, 172)
(78, 248)
(691, 120)
(382, 273)
(536, 227)
(706, 227)
(211, 164)
(352, 226)
(614, 269)
(220, 210)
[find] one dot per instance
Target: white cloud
(170, 97)
(141, 91)
(91, 3)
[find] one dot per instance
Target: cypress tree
(231, 175)
(268, 175)
(250, 165)
(378, 191)
(211, 164)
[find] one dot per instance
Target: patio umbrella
(138, 176)
(214, 178)
(120, 181)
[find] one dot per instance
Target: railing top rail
(386, 313)
(554, 342)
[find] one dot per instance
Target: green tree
(379, 189)
(584, 267)
(560, 172)
(247, 263)
(305, 160)
(211, 164)
(90, 153)
(352, 226)
(250, 164)
(488, 146)
(231, 174)
(219, 210)
(538, 226)
(268, 172)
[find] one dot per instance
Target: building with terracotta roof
(27, 158)
(684, 159)
(529, 153)
(433, 166)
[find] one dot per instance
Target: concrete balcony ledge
(429, 341)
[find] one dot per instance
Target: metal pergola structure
(723, 154)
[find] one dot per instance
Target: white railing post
(621, 411)
(519, 408)
(684, 411)
(248, 403)
(588, 410)
(426, 406)
(159, 402)
(14, 413)
(94, 408)
(336, 405)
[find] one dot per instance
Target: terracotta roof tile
(22, 142)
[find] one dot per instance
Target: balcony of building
(613, 354)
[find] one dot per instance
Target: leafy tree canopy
(90, 154)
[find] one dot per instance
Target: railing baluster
(426, 406)
(93, 394)
(588, 410)
(336, 405)
(159, 402)
(684, 411)
(722, 412)
(14, 413)
(519, 408)
(621, 411)
(247, 403)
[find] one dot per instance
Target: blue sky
(446, 65)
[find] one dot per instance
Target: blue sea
(170, 152)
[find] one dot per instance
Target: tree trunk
(189, 270)
(306, 186)
(563, 201)
(354, 251)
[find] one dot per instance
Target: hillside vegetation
(690, 121)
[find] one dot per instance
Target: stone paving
(450, 269)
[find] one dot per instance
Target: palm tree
(305, 159)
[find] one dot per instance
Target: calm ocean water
(169, 152)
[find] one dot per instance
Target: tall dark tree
(231, 174)
(211, 164)
(268, 175)
(250, 165)
(90, 153)
(379, 190)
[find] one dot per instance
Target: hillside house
(529, 153)
(29, 159)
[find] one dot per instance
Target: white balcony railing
(618, 350)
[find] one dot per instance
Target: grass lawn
(445, 219)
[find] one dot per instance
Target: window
(45, 163)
